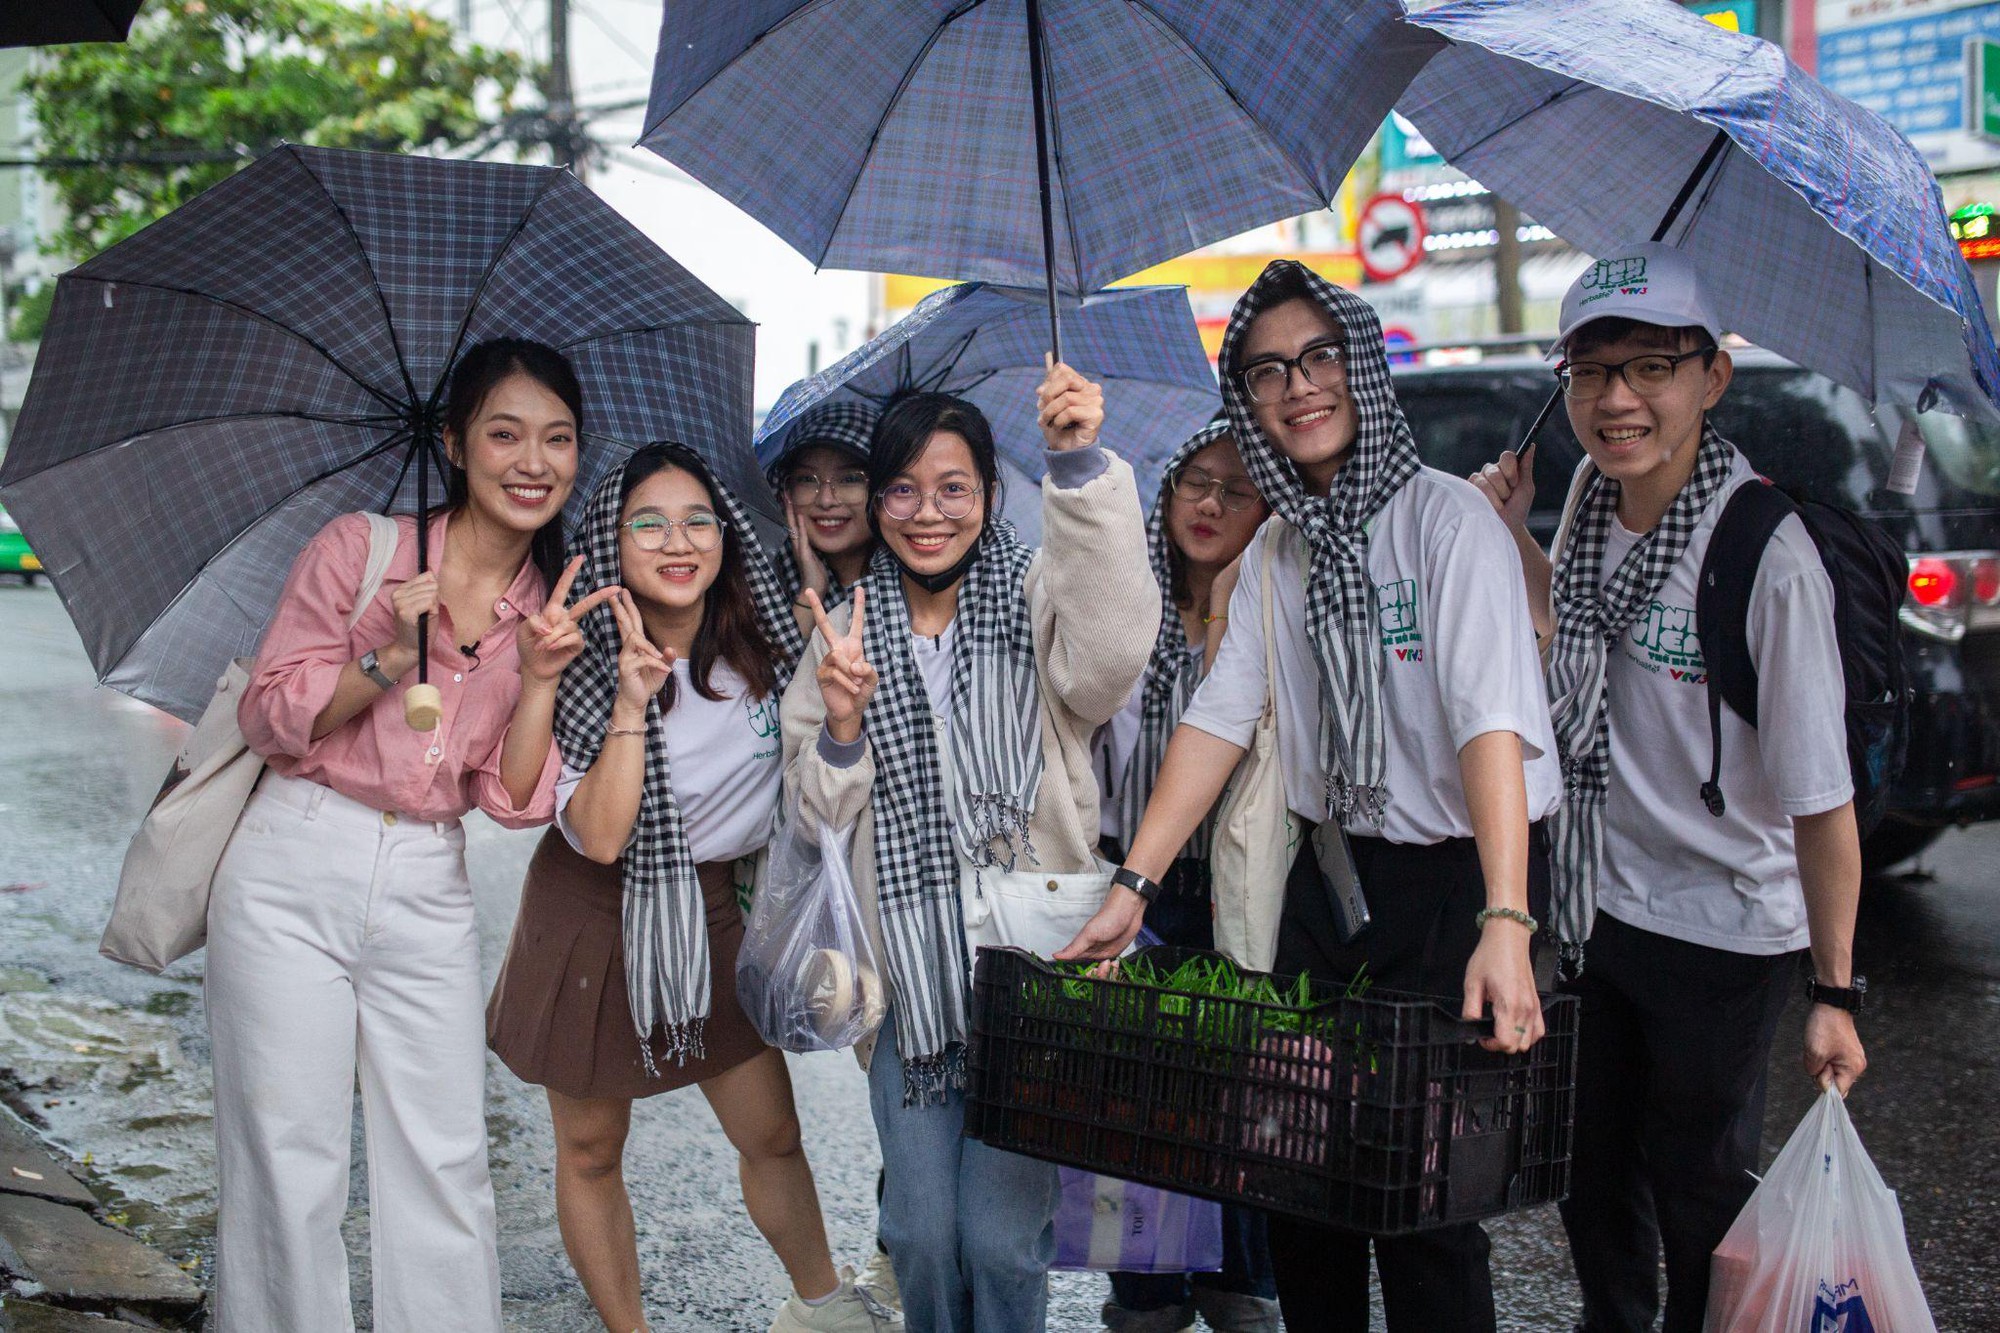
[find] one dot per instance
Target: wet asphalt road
(111, 1063)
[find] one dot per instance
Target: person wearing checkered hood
(1409, 708)
(1204, 515)
(1682, 925)
(619, 982)
(943, 720)
(821, 480)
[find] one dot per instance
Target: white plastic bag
(1819, 1248)
(806, 973)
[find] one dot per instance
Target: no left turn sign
(1390, 237)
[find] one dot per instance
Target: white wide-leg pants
(341, 940)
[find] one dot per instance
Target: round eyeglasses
(955, 499)
(1648, 375)
(651, 532)
(1236, 494)
(1324, 366)
(847, 488)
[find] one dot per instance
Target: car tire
(1893, 842)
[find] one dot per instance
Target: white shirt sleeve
(1489, 674)
(1801, 689)
(1230, 699)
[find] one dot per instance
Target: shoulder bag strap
(382, 540)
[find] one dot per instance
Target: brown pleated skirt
(559, 1016)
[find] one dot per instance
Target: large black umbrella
(55, 22)
(213, 390)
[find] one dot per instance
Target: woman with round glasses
(1410, 712)
(620, 980)
(822, 480)
(945, 718)
(1207, 510)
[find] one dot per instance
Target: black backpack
(1869, 571)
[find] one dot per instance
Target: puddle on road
(113, 1090)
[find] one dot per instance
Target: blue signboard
(1910, 70)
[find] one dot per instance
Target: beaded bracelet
(1506, 914)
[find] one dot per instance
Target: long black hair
(906, 428)
(730, 631)
(475, 376)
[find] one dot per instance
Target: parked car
(15, 557)
(1820, 441)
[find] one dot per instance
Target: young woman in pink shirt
(341, 936)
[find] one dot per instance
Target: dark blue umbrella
(1056, 144)
(213, 390)
(1820, 229)
(984, 343)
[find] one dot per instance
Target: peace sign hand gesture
(642, 667)
(846, 680)
(550, 639)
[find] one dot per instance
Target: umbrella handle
(423, 707)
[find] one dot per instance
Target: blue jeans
(970, 1229)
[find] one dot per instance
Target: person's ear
(454, 451)
(1721, 370)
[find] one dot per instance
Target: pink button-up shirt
(374, 756)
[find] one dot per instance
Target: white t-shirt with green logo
(1458, 660)
(1669, 866)
(727, 761)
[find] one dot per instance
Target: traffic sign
(1982, 87)
(1390, 237)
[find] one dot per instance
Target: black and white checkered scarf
(995, 735)
(1589, 619)
(665, 920)
(1175, 669)
(1340, 599)
(845, 424)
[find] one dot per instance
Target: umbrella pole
(423, 706)
(1042, 173)
(1667, 220)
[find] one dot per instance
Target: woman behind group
(822, 480)
(620, 980)
(945, 718)
(1205, 514)
(1409, 696)
(340, 932)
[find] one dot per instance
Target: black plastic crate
(1377, 1112)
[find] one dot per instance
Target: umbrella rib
(244, 310)
(555, 174)
(609, 334)
(381, 297)
(1572, 86)
(358, 423)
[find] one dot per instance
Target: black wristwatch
(1840, 997)
(1149, 889)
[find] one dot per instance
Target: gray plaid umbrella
(213, 390)
(1059, 144)
(56, 22)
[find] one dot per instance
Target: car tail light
(1952, 592)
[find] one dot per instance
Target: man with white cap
(1680, 924)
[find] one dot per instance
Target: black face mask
(944, 578)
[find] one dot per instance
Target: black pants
(1423, 901)
(1673, 1054)
(1184, 915)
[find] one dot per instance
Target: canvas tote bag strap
(382, 539)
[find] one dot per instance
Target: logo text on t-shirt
(1396, 611)
(762, 715)
(1667, 636)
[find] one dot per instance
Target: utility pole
(1507, 264)
(566, 140)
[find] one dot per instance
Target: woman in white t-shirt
(1409, 708)
(619, 982)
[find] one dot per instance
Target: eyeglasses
(848, 488)
(1324, 367)
(1195, 485)
(650, 532)
(955, 499)
(1648, 375)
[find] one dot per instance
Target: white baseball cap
(1651, 282)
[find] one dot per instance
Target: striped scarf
(1176, 666)
(1589, 618)
(665, 920)
(1340, 600)
(995, 737)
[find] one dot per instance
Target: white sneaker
(851, 1310)
(878, 1279)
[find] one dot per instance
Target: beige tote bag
(1256, 834)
